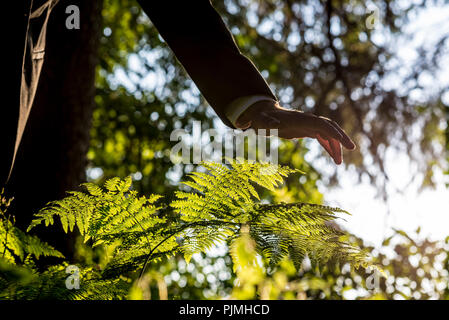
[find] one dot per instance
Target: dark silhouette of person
(228, 80)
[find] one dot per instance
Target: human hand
(292, 124)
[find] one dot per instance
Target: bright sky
(407, 211)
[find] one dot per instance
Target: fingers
(325, 144)
(332, 147)
(296, 125)
(345, 140)
(336, 149)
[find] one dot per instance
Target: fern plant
(15, 245)
(213, 207)
(225, 199)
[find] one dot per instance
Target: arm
(206, 49)
(228, 80)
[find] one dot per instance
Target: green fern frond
(214, 209)
(15, 244)
(227, 194)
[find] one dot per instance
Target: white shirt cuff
(240, 105)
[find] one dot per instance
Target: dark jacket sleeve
(206, 49)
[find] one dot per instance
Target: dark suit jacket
(205, 47)
(198, 37)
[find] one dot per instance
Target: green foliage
(416, 268)
(21, 279)
(133, 115)
(217, 206)
(115, 217)
(225, 198)
(26, 282)
(15, 245)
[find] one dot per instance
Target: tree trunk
(52, 156)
